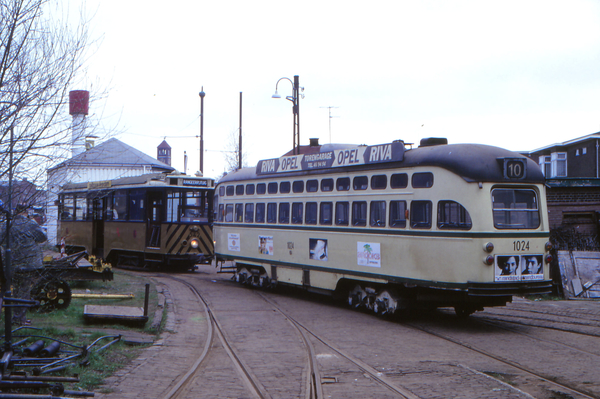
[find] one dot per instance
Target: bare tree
(41, 56)
(231, 152)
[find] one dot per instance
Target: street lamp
(202, 94)
(295, 99)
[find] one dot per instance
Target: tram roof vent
(431, 141)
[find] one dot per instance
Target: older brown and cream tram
(154, 221)
(388, 227)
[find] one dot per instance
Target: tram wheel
(51, 294)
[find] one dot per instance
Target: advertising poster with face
(318, 249)
(265, 245)
(532, 267)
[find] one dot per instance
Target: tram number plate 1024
(521, 245)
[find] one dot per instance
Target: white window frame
(557, 159)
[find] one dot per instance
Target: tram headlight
(489, 260)
(194, 243)
(488, 247)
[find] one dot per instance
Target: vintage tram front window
(515, 209)
(194, 207)
(453, 216)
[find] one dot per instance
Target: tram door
(99, 210)
(155, 204)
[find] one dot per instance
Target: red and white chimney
(78, 107)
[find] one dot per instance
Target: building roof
(568, 142)
(164, 144)
(114, 152)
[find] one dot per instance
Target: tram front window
(515, 209)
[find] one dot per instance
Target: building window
(546, 165)
(559, 164)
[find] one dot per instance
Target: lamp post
(295, 99)
(202, 94)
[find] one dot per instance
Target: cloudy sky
(516, 74)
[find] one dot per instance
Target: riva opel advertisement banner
(331, 159)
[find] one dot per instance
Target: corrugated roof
(114, 152)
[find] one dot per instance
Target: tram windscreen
(515, 209)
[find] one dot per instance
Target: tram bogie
(389, 229)
(155, 221)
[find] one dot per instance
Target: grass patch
(69, 326)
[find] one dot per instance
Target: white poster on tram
(368, 254)
(233, 242)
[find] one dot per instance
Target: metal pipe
(103, 296)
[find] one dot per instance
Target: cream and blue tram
(153, 221)
(388, 227)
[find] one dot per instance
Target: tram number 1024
(521, 245)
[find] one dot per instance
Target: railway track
(539, 376)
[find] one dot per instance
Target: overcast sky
(516, 74)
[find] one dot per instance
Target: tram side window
(239, 189)
(249, 213)
(67, 211)
(377, 217)
(342, 211)
(119, 208)
(229, 190)
(515, 209)
(271, 212)
(284, 187)
(311, 213)
(284, 212)
(398, 214)
(261, 188)
(239, 213)
(272, 188)
(229, 213)
(297, 212)
(359, 213)
(312, 186)
(360, 183)
(80, 207)
(342, 184)
(221, 214)
(260, 213)
(422, 180)
(136, 205)
(379, 182)
(326, 214)
(298, 186)
(453, 216)
(222, 191)
(420, 214)
(249, 189)
(399, 180)
(327, 185)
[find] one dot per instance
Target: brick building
(573, 184)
